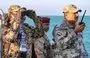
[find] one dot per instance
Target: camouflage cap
(71, 8)
(14, 8)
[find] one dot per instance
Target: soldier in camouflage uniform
(36, 40)
(47, 46)
(67, 35)
(9, 32)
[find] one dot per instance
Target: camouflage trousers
(38, 47)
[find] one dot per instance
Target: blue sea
(58, 19)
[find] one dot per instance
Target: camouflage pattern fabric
(10, 45)
(35, 36)
(67, 44)
(9, 34)
(84, 53)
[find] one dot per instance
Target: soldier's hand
(79, 28)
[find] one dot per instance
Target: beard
(73, 21)
(46, 29)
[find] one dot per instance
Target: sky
(46, 7)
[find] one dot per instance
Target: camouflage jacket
(34, 36)
(9, 41)
(67, 41)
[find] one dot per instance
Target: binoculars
(29, 13)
